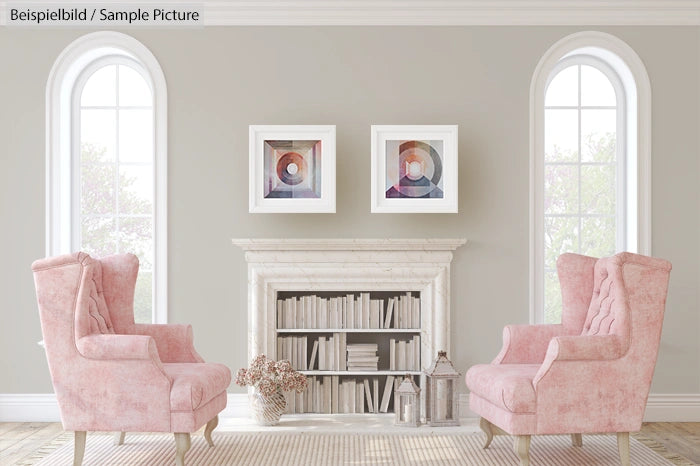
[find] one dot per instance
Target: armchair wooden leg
(79, 447)
(119, 438)
(211, 425)
(623, 446)
(522, 448)
(182, 443)
(487, 427)
(576, 440)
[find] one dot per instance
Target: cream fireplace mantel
(303, 265)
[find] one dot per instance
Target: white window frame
(624, 63)
(61, 140)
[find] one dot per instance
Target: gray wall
(220, 80)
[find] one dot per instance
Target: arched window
(106, 158)
(590, 99)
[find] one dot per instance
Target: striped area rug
(304, 449)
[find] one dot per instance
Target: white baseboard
(673, 408)
(42, 407)
(30, 407)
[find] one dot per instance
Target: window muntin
(113, 202)
(584, 167)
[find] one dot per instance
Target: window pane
(133, 89)
(598, 236)
(136, 237)
(561, 189)
(560, 135)
(135, 189)
(560, 236)
(97, 182)
(596, 88)
(552, 298)
(100, 88)
(98, 128)
(136, 136)
(598, 189)
(143, 297)
(98, 236)
(563, 89)
(598, 135)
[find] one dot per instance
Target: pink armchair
(592, 372)
(111, 374)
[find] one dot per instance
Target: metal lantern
(441, 396)
(407, 403)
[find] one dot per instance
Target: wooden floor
(20, 440)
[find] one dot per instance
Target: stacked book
(362, 357)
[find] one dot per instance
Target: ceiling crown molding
(427, 12)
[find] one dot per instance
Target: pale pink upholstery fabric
(109, 373)
(592, 373)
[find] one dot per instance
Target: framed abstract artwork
(292, 168)
(414, 168)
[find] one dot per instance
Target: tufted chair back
(92, 315)
(608, 312)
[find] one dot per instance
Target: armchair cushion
(195, 384)
(508, 386)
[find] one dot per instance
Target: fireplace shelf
(348, 330)
(363, 373)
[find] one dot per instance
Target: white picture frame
(291, 168)
(414, 169)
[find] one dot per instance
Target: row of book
(333, 353)
(330, 394)
(348, 311)
(404, 355)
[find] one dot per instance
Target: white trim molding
(429, 12)
(625, 62)
(60, 142)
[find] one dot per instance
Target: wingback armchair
(112, 374)
(589, 374)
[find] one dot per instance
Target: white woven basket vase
(267, 410)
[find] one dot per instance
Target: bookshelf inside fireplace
(382, 323)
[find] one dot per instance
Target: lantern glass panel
(445, 396)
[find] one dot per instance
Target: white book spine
(365, 310)
(416, 353)
(388, 388)
(322, 348)
(401, 351)
(415, 318)
(389, 313)
(314, 352)
(392, 354)
(368, 396)
(280, 313)
(334, 394)
(375, 394)
(350, 311)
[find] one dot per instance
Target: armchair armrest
(117, 347)
(175, 342)
(575, 355)
(585, 347)
(526, 344)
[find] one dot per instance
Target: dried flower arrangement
(270, 376)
